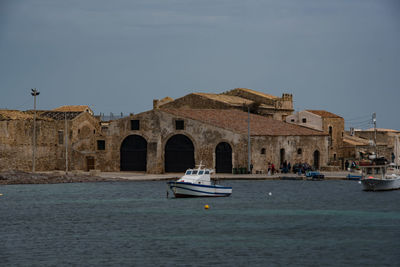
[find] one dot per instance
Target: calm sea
(301, 223)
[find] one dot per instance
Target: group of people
(286, 167)
(349, 165)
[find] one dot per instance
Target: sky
(116, 56)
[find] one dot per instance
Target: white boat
(379, 178)
(197, 183)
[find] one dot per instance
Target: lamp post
(34, 93)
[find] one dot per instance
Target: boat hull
(372, 184)
(183, 189)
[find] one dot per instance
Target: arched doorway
(316, 160)
(282, 156)
(134, 153)
(223, 158)
(179, 154)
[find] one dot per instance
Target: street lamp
(34, 93)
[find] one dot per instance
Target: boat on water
(379, 177)
(197, 183)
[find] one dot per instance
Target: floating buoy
(359, 182)
(270, 193)
(1, 194)
(206, 207)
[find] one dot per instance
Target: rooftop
(74, 108)
(324, 113)
(255, 93)
(355, 141)
(380, 130)
(236, 121)
(228, 99)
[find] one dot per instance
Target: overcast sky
(116, 56)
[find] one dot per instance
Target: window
(299, 151)
(101, 145)
(330, 135)
(135, 125)
(304, 120)
(262, 151)
(292, 120)
(179, 125)
(60, 137)
(334, 156)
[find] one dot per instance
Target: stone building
(175, 135)
(16, 140)
(354, 148)
(387, 142)
(172, 140)
(239, 98)
(329, 123)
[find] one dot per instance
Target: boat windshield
(194, 172)
(207, 172)
(201, 172)
(188, 172)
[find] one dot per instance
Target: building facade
(331, 124)
(172, 140)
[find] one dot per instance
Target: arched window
(299, 151)
(262, 151)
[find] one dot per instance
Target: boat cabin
(197, 172)
(374, 171)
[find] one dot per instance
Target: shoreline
(20, 177)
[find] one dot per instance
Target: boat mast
(374, 121)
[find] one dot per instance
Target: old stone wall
(16, 145)
(297, 149)
(156, 127)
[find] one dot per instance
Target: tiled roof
(355, 141)
(257, 93)
(324, 113)
(6, 115)
(59, 115)
(73, 108)
(228, 99)
(381, 130)
(236, 121)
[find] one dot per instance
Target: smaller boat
(377, 177)
(197, 183)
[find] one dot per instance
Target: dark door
(134, 153)
(223, 160)
(282, 156)
(316, 160)
(89, 163)
(179, 154)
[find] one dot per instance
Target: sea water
(263, 223)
